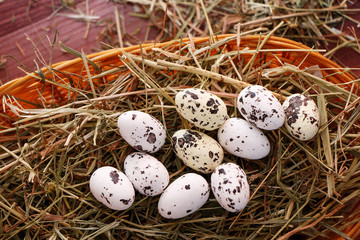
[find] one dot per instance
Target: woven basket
(45, 89)
(37, 89)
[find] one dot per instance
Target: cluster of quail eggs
(242, 137)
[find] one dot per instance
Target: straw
(59, 125)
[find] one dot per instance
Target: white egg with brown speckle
(260, 107)
(197, 150)
(301, 116)
(148, 175)
(184, 196)
(112, 188)
(202, 108)
(230, 187)
(242, 139)
(142, 131)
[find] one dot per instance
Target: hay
(51, 144)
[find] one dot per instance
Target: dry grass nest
(50, 147)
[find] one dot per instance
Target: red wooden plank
(39, 21)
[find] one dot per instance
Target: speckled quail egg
(142, 131)
(197, 150)
(260, 107)
(184, 196)
(203, 109)
(242, 139)
(112, 188)
(301, 116)
(230, 187)
(148, 175)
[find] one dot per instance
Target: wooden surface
(38, 20)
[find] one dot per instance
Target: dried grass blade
(142, 75)
(355, 116)
(205, 73)
(298, 211)
(325, 137)
(11, 210)
(221, 42)
(171, 55)
(102, 230)
(211, 32)
(260, 46)
(79, 55)
(118, 27)
(308, 151)
(84, 58)
(328, 86)
(333, 229)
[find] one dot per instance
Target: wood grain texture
(39, 20)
